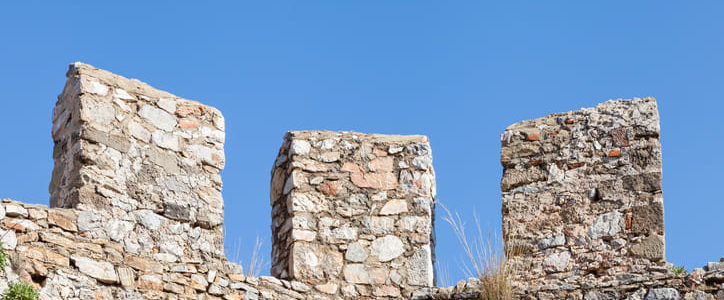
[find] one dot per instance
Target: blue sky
(456, 71)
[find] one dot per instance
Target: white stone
(208, 155)
(295, 180)
(387, 248)
(100, 112)
(662, 294)
(557, 262)
(122, 94)
(356, 273)
(422, 162)
(100, 270)
(419, 267)
(394, 149)
(213, 135)
(606, 225)
(139, 132)
(168, 105)
(305, 202)
(8, 239)
(381, 196)
(157, 117)
(300, 147)
(95, 87)
(165, 140)
(356, 252)
(394, 207)
(149, 219)
(303, 235)
(12, 210)
(327, 144)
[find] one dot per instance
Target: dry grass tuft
(484, 258)
(256, 261)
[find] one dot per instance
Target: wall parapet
(137, 213)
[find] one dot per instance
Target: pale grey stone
(165, 140)
(14, 210)
(88, 220)
(9, 239)
(168, 105)
(100, 112)
(394, 207)
(299, 147)
(422, 162)
(94, 87)
(606, 225)
(157, 117)
(698, 295)
(715, 266)
(557, 239)
(117, 229)
(149, 219)
(419, 267)
(213, 135)
(356, 273)
(557, 262)
(356, 252)
(100, 270)
(139, 131)
(387, 248)
(662, 294)
(122, 94)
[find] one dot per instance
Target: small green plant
(3, 257)
(20, 291)
(678, 270)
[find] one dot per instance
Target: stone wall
(126, 153)
(137, 211)
(352, 213)
(582, 200)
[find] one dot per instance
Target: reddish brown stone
(533, 137)
(614, 153)
(383, 181)
(381, 164)
(570, 121)
(63, 219)
(556, 132)
(576, 165)
(187, 124)
(187, 110)
(628, 221)
(535, 162)
(351, 167)
(329, 187)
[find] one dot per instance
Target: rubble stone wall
(127, 153)
(352, 213)
(137, 213)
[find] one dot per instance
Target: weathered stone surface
(662, 294)
(651, 248)
(648, 219)
(387, 248)
(100, 270)
(606, 225)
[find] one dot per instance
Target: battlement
(136, 210)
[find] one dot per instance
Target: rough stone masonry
(137, 213)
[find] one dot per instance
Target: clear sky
(456, 71)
